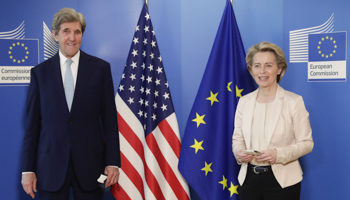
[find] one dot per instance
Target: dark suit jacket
(89, 133)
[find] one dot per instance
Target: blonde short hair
(67, 15)
(268, 47)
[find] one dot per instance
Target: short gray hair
(67, 15)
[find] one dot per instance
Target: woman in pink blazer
(272, 130)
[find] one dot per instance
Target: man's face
(69, 38)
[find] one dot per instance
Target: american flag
(148, 129)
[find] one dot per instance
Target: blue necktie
(69, 84)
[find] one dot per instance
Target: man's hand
(29, 183)
(113, 175)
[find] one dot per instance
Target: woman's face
(264, 69)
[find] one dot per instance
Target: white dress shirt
(74, 66)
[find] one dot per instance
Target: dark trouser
(264, 186)
(71, 182)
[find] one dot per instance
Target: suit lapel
(248, 118)
(84, 72)
(276, 112)
(57, 80)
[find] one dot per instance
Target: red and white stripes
(149, 164)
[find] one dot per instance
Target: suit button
(70, 122)
(67, 141)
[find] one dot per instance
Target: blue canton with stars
(144, 87)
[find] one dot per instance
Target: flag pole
(231, 2)
(146, 1)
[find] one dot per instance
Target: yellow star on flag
(212, 97)
(229, 86)
(238, 92)
(199, 119)
(233, 189)
(207, 168)
(224, 183)
(197, 145)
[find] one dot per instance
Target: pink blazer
(289, 132)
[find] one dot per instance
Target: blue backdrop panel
(325, 176)
(110, 28)
(185, 34)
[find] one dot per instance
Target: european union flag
(19, 52)
(327, 46)
(206, 159)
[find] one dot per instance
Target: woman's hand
(269, 155)
(243, 157)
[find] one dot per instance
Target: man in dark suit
(71, 132)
